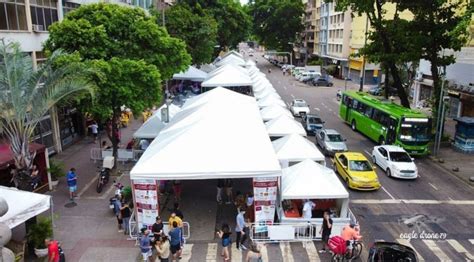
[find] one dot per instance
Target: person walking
(220, 186)
(145, 244)
(94, 130)
(240, 230)
(117, 212)
(325, 231)
(224, 235)
(72, 183)
(228, 190)
(162, 246)
(125, 214)
(254, 254)
(53, 250)
(176, 241)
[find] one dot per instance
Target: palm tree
(26, 95)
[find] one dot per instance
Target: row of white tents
(224, 134)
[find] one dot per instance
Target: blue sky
(243, 1)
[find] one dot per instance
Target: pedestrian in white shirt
(308, 213)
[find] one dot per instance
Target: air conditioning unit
(38, 28)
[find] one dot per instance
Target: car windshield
(300, 104)
(359, 165)
(416, 132)
(315, 120)
(400, 157)
(335, 138)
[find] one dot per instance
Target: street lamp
(362, 79)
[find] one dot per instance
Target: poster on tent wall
(265, 197)
(145, 197)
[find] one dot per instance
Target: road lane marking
(390, 195)
(436, 250)
(311, 251)
(286, 252)
(407, 243)
(317, 109)
(211, 255)
(323, 104)
(412, 201)
(236, 254)
(472, 241)
(88, 185)
(433, 186)
(293, 96)
(187, 251)
(284, 87)
(330, 110)
(368, 154)
(460, 249)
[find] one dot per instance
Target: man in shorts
(176, 240)
(145, 244)
(72, 183)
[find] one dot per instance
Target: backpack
(337, 245)
(62, 256)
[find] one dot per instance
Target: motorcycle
(338, 96)
(104, 173)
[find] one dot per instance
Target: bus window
(355, 104)
(368, 111)
(381, 117)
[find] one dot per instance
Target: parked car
(312, 123)
(356, 171)
(395, 161)
(382, 251)
(309, 76)
(299, 107)
(321, 81)
(330, 141)
(296, 70)
(378, 91)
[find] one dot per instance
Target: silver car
(330, 141)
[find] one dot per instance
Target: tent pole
(51, 207)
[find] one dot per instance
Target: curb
(447, 170)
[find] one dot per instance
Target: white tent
(227, 78)
(250, 63)
(192, 74)
(273, 112)
(295, 148)
(152, 127)
(267, 91)
(231, 59)
(256, 74)
(273, 100)
(253, 69)
(232, 68)
(207, 68)
(284, 125)
(221, 138)
(22, 205)
(234, 53)
(309, 180)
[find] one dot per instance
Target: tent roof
(296, 148)
(233, 68)
(22, 205)
(273, 100)
(231, 59)
(284, 125)
(234, 53)
(6, 155)
(227, 78)
(207, 67)
(250, 63)
(196, 143)
(310, 180)
(192, 73)
(267, 91)
(152, 127)
(272, 112)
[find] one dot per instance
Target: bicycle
(352, 252)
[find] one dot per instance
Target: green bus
(386, 122)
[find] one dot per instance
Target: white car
(299, 107)
(395, 161)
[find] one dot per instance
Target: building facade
(27, 22)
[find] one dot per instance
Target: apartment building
(27, 22)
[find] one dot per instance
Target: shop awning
(6, 155)
(310, 180)
(223, 137)
(296, 148)
(22, 205)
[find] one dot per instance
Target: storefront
(70, 125)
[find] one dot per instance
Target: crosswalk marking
(187, 251)
(436, 250)
(407, 243)
(236, 254)
(460, 249)
(263, 251)
(211, 255)
(286, 252)
(472, 241)
(311, 251)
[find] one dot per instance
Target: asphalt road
(436, 202)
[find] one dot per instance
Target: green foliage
(197, 29)
(28, 94)
(233, 23)
(127, 194)
(40, 231)
(56, 169)
(315, 62)
(277, 22)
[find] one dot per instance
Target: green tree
(27, 95)
(127, 50)
(198, 29)
(233, 23)
(276, 22)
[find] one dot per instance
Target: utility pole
(440, 122)
(362, 73)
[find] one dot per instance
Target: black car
(320, 81)
(378, 91)
(382, 251)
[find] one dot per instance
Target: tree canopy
(276, 22)
(196, 28)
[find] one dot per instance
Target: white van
(307, 76)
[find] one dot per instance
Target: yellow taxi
(356, 171)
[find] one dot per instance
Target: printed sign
(265, 196)
(145, 196)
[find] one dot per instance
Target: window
(12, 15)
(44, 13)
(381, 117)
(355, 104)
(383, 152)
(343, 160)
(68, 7)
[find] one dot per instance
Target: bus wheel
(381, 141)
(353, 125)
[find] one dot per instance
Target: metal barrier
(278, 232)
(123, 155)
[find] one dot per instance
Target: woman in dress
(224, 234)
